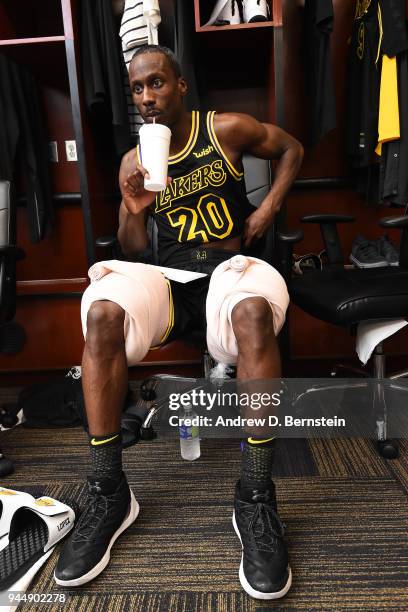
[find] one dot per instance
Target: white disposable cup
(154, 139)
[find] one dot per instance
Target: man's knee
(105, 320)
(252, 316)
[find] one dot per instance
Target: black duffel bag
(54, 404)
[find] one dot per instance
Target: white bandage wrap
(143, 293)
(231, 282)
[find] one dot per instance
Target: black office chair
(12, 335)
(346, 297)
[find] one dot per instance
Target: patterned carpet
(344, 506)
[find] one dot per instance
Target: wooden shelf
(239, 26)
(31, 41)
(54, 286)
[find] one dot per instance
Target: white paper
(371, 333)
(181, 276)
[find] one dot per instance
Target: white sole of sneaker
(245, 584)
(99, 567)
(357, 263)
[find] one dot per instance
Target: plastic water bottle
(189, 436)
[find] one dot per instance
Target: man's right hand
(135, 197)
(131, 182)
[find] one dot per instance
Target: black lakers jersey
(206, 200)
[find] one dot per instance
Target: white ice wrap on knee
(231, 282)
(143, 293)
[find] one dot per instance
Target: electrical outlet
(53, 151)
(71, 150)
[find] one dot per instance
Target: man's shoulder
(232, 121)
(238, 129)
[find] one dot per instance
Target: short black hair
(175, 66)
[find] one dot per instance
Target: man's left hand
(257, 224)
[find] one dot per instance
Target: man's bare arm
(238, 134)
(241, 133)
(132, 233)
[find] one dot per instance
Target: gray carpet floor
(344, 506)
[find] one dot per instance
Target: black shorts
(189, 298)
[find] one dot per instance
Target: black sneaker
(387, 249)
(111, 508)
(365, 254)
(264, 572)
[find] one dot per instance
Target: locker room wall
(240, 69)
(52, 276)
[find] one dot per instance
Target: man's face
(156, 90)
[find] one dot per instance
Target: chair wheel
(6, 467)
(388, 448)
(148, 395)
(147, 433)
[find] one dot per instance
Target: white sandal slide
(10, 502)
(35, 528)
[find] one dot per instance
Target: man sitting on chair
(203, 219)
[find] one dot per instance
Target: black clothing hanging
(102, 70)
(184, 50)
(22, 138)
(319, 20)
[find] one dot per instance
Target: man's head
(157, 85)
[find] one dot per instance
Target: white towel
(231, 282)
(128, 268)
(371, 333)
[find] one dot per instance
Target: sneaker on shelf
(365, 254)
(111, 508)
(255, 10)
(264, 572)
(225, 12)
(387, 249)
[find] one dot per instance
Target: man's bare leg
(264, 571)
(104, 368)
(111, 506)
(258, 350)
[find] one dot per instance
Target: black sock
(256, 467)
(106, 455)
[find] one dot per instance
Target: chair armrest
(328, 229)
(290, 237)
(110, 242)
(286, 240)
(394, 222)
(105, 241)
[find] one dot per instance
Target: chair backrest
(257, 173)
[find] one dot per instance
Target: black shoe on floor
(110, 509)
(264, 572)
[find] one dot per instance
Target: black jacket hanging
(102, 70)
(22, 136)
(184, 50)
(319, 75)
